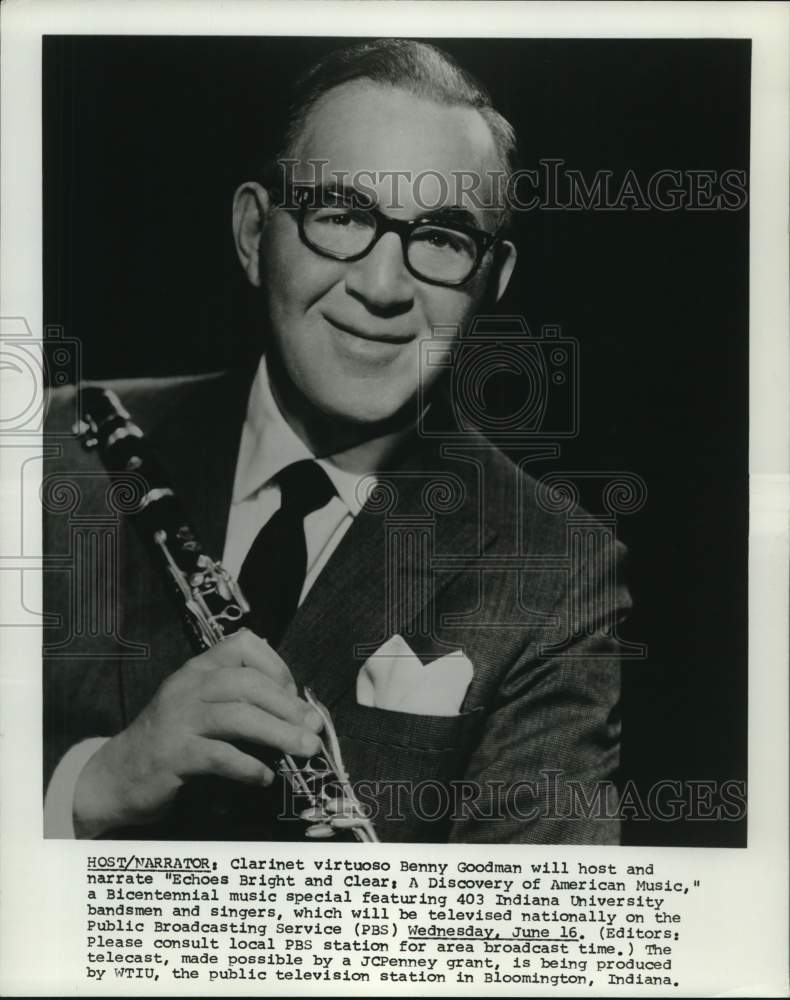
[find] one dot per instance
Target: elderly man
(365, 246)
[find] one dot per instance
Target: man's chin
(331, 414)
(373, 413)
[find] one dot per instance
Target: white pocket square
(395, 679)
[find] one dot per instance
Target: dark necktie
(273, 573)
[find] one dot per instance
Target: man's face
(348, 333)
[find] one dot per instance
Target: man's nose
(380, 278)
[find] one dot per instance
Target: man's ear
(505, 263)
(251, 207)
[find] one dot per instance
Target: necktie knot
(305, 487)
(274, 571)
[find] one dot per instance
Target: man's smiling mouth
(378, 337)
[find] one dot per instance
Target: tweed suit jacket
(454, 552)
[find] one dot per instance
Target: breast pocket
(404, 766)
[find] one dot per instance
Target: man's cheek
(285, 297)
(452, 309)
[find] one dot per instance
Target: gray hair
(417, 67)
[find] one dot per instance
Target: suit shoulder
(525, 502)
(147, 399)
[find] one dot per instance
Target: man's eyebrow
(349, 193)
(365, 197)
(452, 213)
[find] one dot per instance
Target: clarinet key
(321, 831)
(345, 822)
(338, 805)
(314, 814)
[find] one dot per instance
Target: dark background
(145, 140)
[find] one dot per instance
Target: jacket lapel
(380, 581)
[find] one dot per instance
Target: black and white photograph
(394, 463)
(477, 311)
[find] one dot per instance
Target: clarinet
(211, 602)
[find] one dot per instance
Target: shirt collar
(269, 444)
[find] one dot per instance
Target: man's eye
(339, 217)
(442, 239)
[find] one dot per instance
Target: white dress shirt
(268, 444)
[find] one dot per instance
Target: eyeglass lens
(433, 251)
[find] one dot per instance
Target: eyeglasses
(338, 225)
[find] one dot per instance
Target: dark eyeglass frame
(303, 198)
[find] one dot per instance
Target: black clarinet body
(212, 607)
